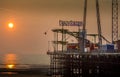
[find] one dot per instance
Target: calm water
(23, 75)
(32, 61)
(11, 58)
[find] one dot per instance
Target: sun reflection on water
(10, 66)
(10, 60)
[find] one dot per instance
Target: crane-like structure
(114, 20)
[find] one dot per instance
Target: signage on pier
(70, 23)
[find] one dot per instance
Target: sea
(22, 75)
(24, 60)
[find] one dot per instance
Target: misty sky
(34, 17)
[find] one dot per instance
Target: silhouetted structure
(85, 58)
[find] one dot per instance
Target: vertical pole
(95, 39)
(98, 24)
(57, 41)
(54, 43)
(62, 37)
(114, 20)
(48, 46)
(84, 26)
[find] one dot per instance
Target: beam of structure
(82, 44)
(114, 20)
(98, 24)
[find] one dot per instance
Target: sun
(10, 25)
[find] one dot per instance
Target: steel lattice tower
(114, 20)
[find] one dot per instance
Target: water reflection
(10, 60)
(21, 66)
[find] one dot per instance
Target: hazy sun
(10, 25)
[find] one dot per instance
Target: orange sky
(34, 17)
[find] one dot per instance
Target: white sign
(70, 23)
